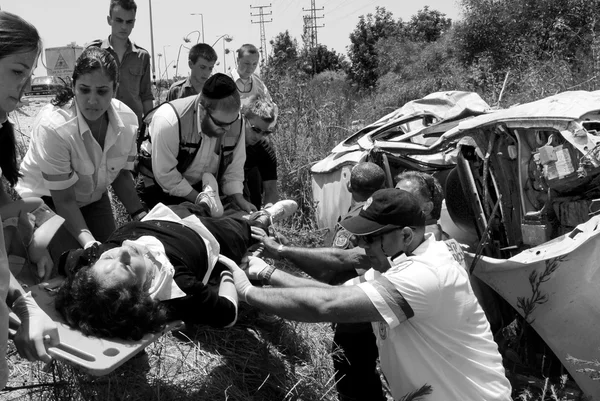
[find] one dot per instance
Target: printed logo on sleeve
(456, 251)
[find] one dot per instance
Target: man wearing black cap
(192, 141)
(430, 328)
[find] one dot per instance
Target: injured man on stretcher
(169, 266)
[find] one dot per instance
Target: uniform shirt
(254, 87)
(135, 85)
(180, 89)
(63, 153)
(435, 332)
(164, 134)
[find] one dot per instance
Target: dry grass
(263, 357)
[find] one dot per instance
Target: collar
(236, 76)
(187, 83)
(114, 120)
(130, 45)
(428, 240)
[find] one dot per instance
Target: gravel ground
(24, 117)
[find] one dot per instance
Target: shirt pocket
(134, 79)
(85, 171)
(114, 165)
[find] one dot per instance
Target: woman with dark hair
(165, 267)
(20, 46)
(82, 143)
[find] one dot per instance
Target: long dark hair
(8, 154)
(16, 36)
(92, 59)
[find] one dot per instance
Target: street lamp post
(226, 38)
(202, 21)
(165, 60)
(152, 42)
(159, 74)
(186, 40)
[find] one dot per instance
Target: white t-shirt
(435, 331)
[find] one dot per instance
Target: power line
(262, 22)
(310, 24)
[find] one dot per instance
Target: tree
(427, 26)
(284, 52)
(314, 61)
(362, 51)
(515, 32)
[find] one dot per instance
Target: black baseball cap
(385, 210)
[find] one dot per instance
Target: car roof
(573, 105)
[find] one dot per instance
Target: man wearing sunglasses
(192, 141)
(260, 170)
(430, 328)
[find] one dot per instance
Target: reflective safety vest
(190, 138)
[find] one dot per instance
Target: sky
(61, 22)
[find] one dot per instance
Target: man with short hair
(135, 86)
(429, 191)
(430, 328)
(246, 81)
(201, 60)
(260, 170)
(192, 141)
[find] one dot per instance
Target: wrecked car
(524, 183)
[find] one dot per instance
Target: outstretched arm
(324, 264)
(319, 303)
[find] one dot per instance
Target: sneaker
(210, 195)
(282, 210)
(277, 212)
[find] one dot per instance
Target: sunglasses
(261, 131)
(221, 123)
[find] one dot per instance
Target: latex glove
(241, 281)
(256, 268)
(44, 267)
(36, 332)
(43, 262)
(271, 247)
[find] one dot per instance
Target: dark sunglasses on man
(221, 123)
(261, 131)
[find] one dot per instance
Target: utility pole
(262, 22)
(310, 22)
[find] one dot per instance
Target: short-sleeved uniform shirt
(63, 153)
(435, 331)
(180, 89)
(135, 82)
